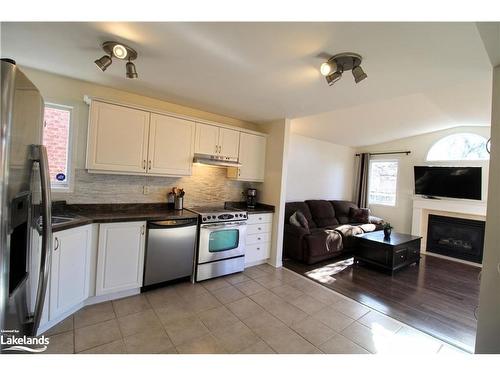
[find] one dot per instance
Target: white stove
(221, 241)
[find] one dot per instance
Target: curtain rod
(388, 153)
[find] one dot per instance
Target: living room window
(56, 138)
(461, 146)
(382, 183)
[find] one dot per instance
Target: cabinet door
(120, 257)
(69, 277)
(252, 157)
(118, 138)
(229, 142)
(171, 145)
(207, 139)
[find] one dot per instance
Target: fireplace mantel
(422, 207)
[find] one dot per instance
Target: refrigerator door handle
(40, 155)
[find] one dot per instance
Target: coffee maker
(251, 197)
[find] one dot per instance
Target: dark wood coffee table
(391, 253)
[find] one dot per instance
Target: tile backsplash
(207, 185)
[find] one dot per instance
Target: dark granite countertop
(83, 214)
(260, 208)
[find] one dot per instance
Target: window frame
(69, 186)
(427, 160)
(381, 159)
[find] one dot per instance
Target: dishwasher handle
(170, 224)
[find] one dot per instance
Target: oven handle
(222, 226)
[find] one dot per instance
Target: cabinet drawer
(258, 238)
(413, 253)
(257, 252)
(259, 218)
(259, 228)
(400, 256)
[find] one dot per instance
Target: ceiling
(421, 76)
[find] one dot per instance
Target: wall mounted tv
(450, 182)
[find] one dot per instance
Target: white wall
(488, 323)
(318, 170)
(273, 189)
(400, 216)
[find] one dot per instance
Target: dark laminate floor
(438, 296)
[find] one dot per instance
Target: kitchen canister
(178, 203)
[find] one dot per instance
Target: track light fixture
(337, 64)
(119, 51)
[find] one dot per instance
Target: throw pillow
(359, 215)
(299, 220)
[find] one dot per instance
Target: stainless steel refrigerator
(24, 206)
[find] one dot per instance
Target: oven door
(221, 241)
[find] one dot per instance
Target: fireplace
(456, 237)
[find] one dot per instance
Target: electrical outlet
(145, 189)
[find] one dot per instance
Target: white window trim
(395, 205)
(69, 188)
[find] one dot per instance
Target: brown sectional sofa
(331, 230)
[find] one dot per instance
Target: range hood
(216, 160)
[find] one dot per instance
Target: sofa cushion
(292, 207)
(321, 241)
(322, 213)
(342, 210)
(299, 220)
(359, 215)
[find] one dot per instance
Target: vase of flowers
(387, 230)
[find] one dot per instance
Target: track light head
(130, 69)
(358, 74)
(334, 77)
(103, 62)
(328, 68)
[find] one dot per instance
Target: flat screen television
(450, 182)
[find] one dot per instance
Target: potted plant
(387, 230)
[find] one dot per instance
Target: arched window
(461, 146)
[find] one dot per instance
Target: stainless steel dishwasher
(170, 250)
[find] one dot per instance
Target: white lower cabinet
(70, 269)
(258, 239)
(120, 257)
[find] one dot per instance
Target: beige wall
(318, 170)
(205, 184)
(488, 324)
(400, 216)
(273, 190)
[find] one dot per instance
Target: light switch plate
(145, 189)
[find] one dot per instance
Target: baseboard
(256, 263)
(112, 296)
(451, 258)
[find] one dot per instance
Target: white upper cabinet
(207, 139)
(215, 140)
(252, 157)
(70, 270)
(229, 142)
(171, 145)
(117, 139)
(120, 257)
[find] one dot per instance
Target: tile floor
(262, 310)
